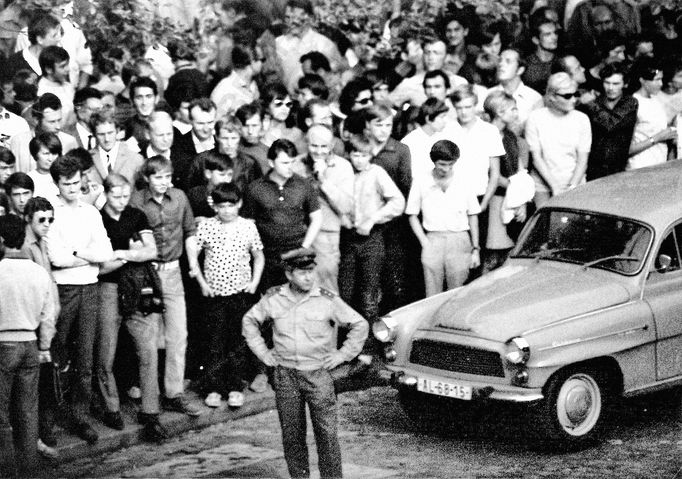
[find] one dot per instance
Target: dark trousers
(293, 390)
(75, 340)
(228, 357)
(362, 259)
(19, 369)
(273, 271)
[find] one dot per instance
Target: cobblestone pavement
(378, 441)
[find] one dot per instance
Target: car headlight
(518, 351)
(384, 329)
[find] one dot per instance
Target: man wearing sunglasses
(39, 216)
(559, 138)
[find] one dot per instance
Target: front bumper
(398, 378)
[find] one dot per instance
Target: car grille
(456, 358)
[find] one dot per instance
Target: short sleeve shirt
(447, 210)
(121, 231)
(171, 220)
(282, 212)
(228, 253)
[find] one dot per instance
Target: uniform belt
(166, 265)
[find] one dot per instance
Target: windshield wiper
(609, 258)
(549, 252)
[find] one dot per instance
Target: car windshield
(590, 239)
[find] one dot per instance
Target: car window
(669, 249)
(587, 238)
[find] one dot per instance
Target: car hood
(516, 298)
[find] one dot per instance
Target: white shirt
(651, 119)
(477, 144)
(527, 100)
(109, 157)
(11, 125)
(77, 229)
(64, 92)
(447, 210)
(19, 146)
(233, 92)
(152, 152)
(420, 145)
(44, 186)
(411, 89)
(560, 138)
(205, 145)
(85, 135)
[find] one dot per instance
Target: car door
(663, 293)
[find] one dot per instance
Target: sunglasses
(568, 96)
(44, 219)
(363, 101)
(279, 103)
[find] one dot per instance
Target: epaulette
(274, 290)
(327, 293)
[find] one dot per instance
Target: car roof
(651, 195)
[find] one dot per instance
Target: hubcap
(579, 404)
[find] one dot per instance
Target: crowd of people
(159, 195)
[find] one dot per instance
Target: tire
(432, 412)
(573, 414)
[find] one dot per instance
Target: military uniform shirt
(303, 330)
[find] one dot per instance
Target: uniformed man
(304, 319)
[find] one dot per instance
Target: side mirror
(663, 262)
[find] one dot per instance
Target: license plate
(440, 388)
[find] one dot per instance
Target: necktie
(109, 163)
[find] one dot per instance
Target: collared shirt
(171, 220)
(202, 146)
(335, 188)
(232, 92)
(612, 130)
(228, 246)
(447, 210)
(152, 152)
(36, 250)
(303, 327)
(282, 212)
(76, 229)
(109, 157)
(375, 195)
(27, 304)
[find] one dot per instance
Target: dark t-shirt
(120, 233)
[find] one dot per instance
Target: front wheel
(574, 411)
